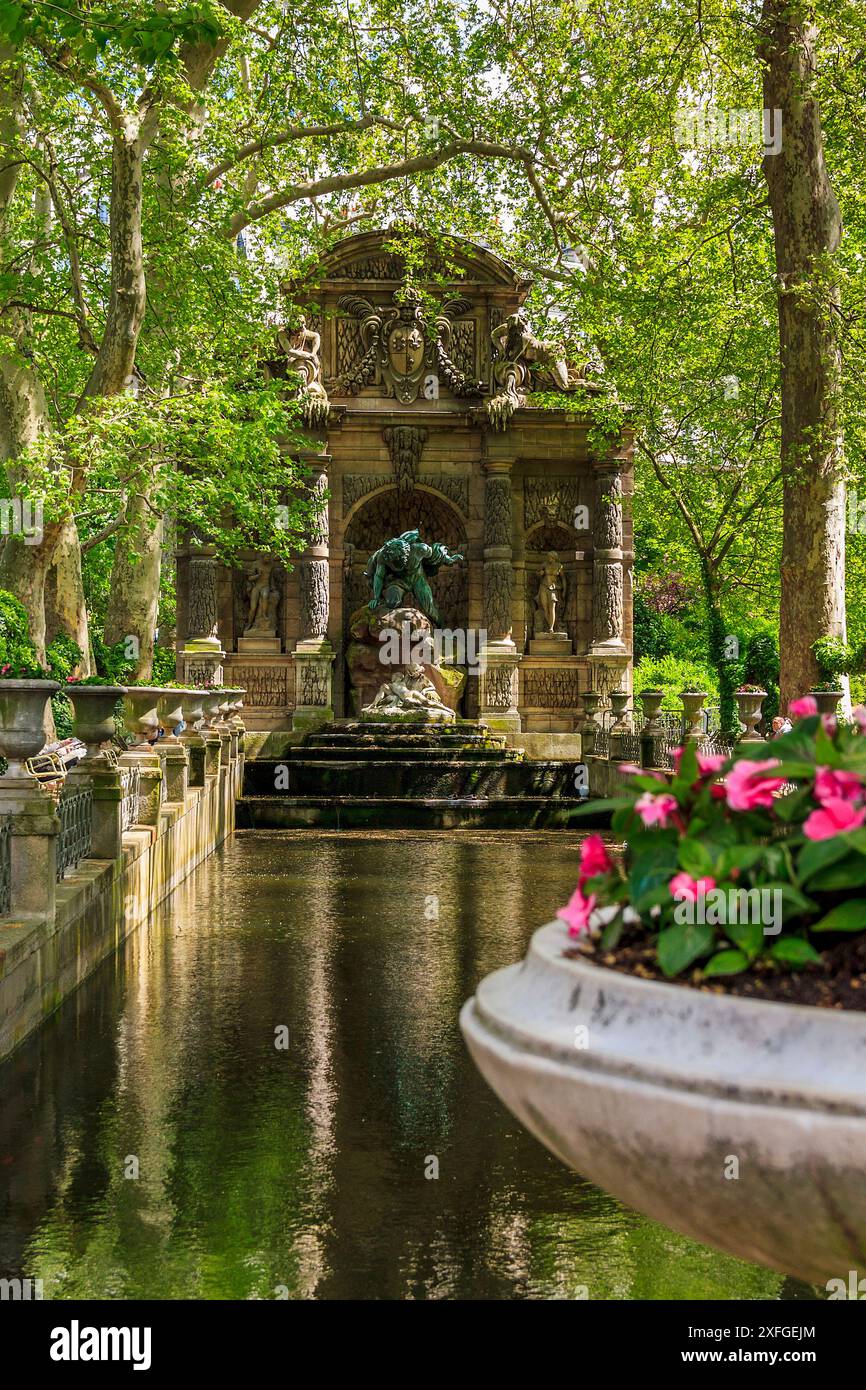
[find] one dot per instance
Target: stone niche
(423, 417)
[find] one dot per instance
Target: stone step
(408, 813)
(462, 733)
(385, 778)
(362, 753)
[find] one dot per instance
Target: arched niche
(389, 513)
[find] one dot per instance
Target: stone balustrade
(82, 866)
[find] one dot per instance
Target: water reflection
(301, 1170)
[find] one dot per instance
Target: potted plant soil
(702, 998)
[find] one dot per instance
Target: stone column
(313, 655)
(499, 656)
(35, 828)
(202, 652)
(106, 838)
(608, 653)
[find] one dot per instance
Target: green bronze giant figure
(398, 572)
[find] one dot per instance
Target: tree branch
(300, 132)
(383, 173)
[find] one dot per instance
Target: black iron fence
(75, 808)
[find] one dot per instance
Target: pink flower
(577, 912)
(830, 724)
(804, 707)
(711, 764)
(834, 785)
(834, 817)
(859, 713)
(632, 770)
(656, 810)
(688, 889)
(746, 790)
(594, 858)
(676, 758)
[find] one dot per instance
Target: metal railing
(75, 809)
(5, 866)
(129, 782)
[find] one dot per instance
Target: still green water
(299, 1171)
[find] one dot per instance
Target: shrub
(17, 652)
(761, 668)
(673, 674)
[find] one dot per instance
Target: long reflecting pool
(253, 1098)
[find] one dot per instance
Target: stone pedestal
(550, 644)
(212, 749)
(106, 836)
(35, 827)
(194, 744)
(149, 765)
(314, 662)
(175, 769)
(498, 693)
(258, 646)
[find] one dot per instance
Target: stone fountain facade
(424, 418)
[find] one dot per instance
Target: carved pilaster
(202, 654)
(314, 568)
(498, 568)
(314, 586)
(607, 577)
(203, 610)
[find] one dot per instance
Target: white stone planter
(669, 1091)
(23, 720)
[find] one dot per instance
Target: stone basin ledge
(651, 1090)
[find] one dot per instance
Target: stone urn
(591, 700)
(140, 711)
(749, 704)
(191, 707)
(169, 707)
(827, 700)
(739, 1122)
(651, 703)
(211, 702)
(23, 721)
(693, 703)
(619, 704)
(94, 707)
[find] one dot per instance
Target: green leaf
(680, 945)
(816, 854)
(695, 858)
(726, 963)
(610, 936)
(849, 872)
(793, 950)
(740, 857)
(650, 872)
(749, 936)
(850, 916)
